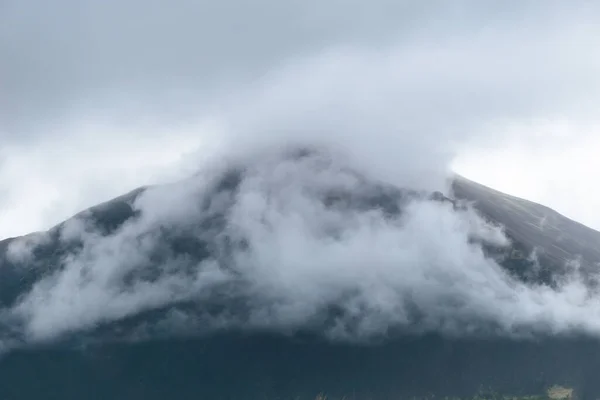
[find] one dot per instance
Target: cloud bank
(264, 236)
(287, 241)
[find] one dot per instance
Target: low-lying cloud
(296, 240)
(265, 236)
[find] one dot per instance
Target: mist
(304, 203)
(291, 240)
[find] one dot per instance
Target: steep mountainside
(246, 287)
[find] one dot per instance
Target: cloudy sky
(99, 97)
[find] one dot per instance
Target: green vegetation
(553, 393)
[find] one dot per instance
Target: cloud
(118, 91)
(89, 162)
(123, 89)
(133, 57)
(297, 241)
(21, 250)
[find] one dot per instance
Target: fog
(272, 250)
(387, 98)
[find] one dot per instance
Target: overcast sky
(99, 97)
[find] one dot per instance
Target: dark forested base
(276, 367)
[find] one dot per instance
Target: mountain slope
(555, 236)
(294, 276)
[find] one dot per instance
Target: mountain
(281, 278)
(558, 239)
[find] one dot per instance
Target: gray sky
(98, 97)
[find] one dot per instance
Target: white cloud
(106, 96)
(416, 270)
(90, 162)
(21, 250)
(446, 71)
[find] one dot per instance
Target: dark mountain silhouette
(102, 362)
